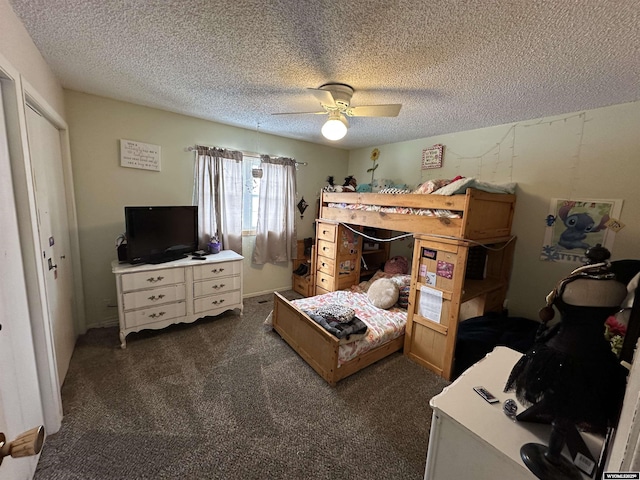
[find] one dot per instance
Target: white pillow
(383, 293)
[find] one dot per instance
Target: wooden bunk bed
(477, 215)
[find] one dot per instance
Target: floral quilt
(383, 325)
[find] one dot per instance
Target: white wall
(103, 187)
(18, 48)
(593, 154)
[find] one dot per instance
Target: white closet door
(53, 228)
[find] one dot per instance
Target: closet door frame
(30, 242)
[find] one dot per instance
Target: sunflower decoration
(375, 154)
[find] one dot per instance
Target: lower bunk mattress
(382, 325)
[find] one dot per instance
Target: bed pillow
(383, 293)
(399, 279)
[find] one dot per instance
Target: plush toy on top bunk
(350, 184)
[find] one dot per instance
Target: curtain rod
(248, 154)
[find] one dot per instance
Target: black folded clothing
(340, 330)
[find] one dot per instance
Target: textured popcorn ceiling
(453, 64)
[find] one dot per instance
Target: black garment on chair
(480, 335)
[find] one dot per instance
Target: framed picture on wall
(573, 226)
(432, 157)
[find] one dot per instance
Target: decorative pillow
(399, 279)
(336, 312)
(383, 293)
(403, 297)
(396, 264)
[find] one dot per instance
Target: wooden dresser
(156, 296)
(338, 251)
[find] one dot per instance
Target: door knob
(26, 444)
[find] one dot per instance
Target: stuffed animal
(350, 184)
(364, 188)
(331, 186)
(381, 184)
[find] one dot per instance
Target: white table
(471, 438)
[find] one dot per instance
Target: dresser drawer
(326, 249)
(151, 315)
(216, 285)
(153, 296)
(215, 270)
(327, 231)
(326, 265)
(320, 290)
(327, 282)
(154, 278)
(302, 285)
(212, 302)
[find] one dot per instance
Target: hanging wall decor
(573, 226)
(139, 155)
(375, 154)
(432, 157)
(302, 206)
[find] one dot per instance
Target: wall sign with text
(139, 155)
(432, 157)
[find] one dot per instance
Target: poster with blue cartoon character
(573, 226)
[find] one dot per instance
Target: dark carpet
(224, 398)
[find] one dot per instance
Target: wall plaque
(139, 155)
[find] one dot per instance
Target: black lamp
(570, 376)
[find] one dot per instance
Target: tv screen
(160, 234)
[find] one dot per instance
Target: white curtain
(276, 229)
(217, 192)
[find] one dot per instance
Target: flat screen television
(160, 234)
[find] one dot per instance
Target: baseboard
(108, 322)
(265, 292)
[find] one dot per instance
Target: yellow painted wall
(593, 154)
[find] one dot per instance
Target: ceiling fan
(335, 99)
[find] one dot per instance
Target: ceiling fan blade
(391, 110)
(325, 97)
(300, 113)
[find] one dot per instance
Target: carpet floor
(225, 398)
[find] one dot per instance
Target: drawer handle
(155, 315)
(153, 297)
(216, 302)
(154, 280)
(324, 232)
(218, 286)
(324, 248)
(217, 270)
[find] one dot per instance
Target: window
(251, 175)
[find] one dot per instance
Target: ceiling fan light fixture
(336, 127)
